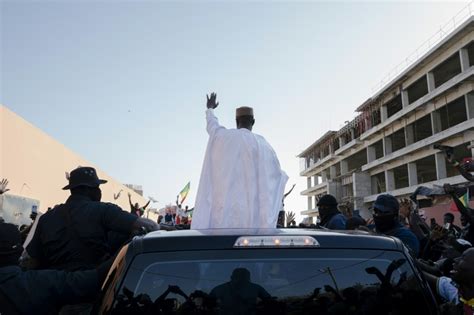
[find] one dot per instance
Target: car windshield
(271, 282)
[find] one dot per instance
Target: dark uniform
(75, 235)
(40, 291)
(45, 291)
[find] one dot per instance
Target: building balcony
(438, 137)
(317, 166)
(347, 146)
(418, 103)
(315, 189)
(409, 190)
(311, 212)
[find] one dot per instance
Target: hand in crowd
(211, 101)
(448, 188)
(146, 224)
(3, 186)
(437, 233)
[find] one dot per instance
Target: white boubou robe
(242, 184)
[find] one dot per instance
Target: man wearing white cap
(241, 183)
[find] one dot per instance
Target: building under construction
(388, 147)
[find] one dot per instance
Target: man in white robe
(242, 184)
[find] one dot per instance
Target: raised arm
(3, 186)
(144, 207)
(467, 212)
(130, 200)
(212, 122)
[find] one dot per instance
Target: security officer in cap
(386, 208)
(74, 235)
(40, 291)
(331, 217)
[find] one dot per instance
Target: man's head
(84, 181)
(137, 205)
(10, 245)
(448, 218)
(244, 117)
(240, 276)
(463, 269)
(464, 220)
(327, 204)
(386, 209)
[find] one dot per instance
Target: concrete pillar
(374, 186)
(331, 149)
(469, 105)
(440, 166)
(436, 122)
(387, 145)
(412, 174)
(341, 142)
(352, 134)
(335, 189)
(315, 180)
(371, 156)
(431, 81)
(389, 180)
(308, 180)
(464, 56)
(383, 113)
(332, 171)
(405, 101)
(324, 176)
(344, 167)
(361, 183)
(310, 202)
(409, 135)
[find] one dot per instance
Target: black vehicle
(280, 271)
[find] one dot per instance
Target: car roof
(186, 240)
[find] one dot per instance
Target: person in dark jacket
(331, 217)
(41, 291)
(83, 232)
(386, 219)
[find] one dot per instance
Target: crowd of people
(63, 266)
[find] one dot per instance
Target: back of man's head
(94, 193)
(240, 275)
(10, 244)
(244, 117)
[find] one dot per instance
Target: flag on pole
(464, 200)
(184, 192)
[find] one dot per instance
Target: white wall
(31, 157)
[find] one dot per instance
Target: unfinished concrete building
(388, 147)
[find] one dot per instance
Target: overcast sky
(123, 83)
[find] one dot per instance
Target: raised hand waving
(211, 101)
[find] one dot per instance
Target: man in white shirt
(242, 184)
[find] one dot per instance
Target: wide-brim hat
(84, 176)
